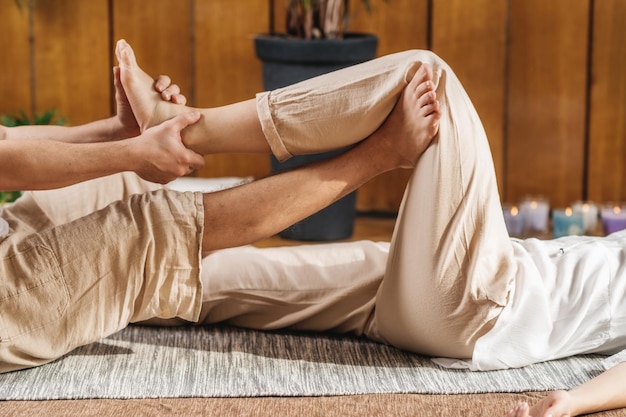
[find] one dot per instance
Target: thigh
(131, 261)
(450, 264)
(326, 287)
(33, 297)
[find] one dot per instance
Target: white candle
(536, 212)
(589, 212)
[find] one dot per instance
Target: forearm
(43, 164)
(157, 155)
(604, 392)
(99, 131)
(260, 209)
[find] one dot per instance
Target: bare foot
(148, 106)
(416, 116)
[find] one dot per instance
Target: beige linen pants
(449, 269)
(82, 262)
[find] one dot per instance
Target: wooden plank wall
(547, 77)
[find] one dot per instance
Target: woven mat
(147, 362)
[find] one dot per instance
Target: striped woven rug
(146, 362)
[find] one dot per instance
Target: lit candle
(589, 212)
(513, 219)
(566, 222)
(535, 212)
(613, 218)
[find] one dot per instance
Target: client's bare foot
(415, 116)
(233, 128)
(148, 106)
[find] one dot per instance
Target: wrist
(115, 130)
(386, 154)
(579, 404)
(129, 154)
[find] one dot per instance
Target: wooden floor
(366, 227)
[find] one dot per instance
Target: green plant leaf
(9, 196)
(22, 119)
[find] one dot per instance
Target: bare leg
(232, 128)
(324, 113)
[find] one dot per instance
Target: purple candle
(613, 218)
(513, 219)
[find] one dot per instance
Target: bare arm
(260, 209)
(45, 157)
(99, 131)
(157, 155)
(604, 392)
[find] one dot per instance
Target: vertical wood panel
(280, 16)
(71, 59)
(227, 70)
(471, 37)
(160, 32)
(15, 68)
(548, 57)
(206, 46)
(227, 67)
(607, 138)
(400, 25)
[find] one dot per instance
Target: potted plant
(316, 42)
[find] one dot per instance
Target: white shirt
(569, 298)
(4, 226)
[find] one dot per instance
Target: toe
(125, 54)
(425, 88)
(427, 99)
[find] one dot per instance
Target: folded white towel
(206, 185)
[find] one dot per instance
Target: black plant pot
(288, 61)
